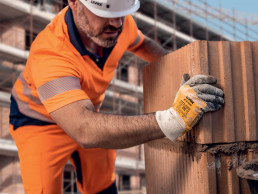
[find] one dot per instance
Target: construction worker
(55, 101)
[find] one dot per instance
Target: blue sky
(245, 27)
(247, 6)
(244, 9)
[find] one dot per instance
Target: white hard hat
(112, 8)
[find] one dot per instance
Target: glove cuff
(171, 124)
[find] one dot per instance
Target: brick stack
(204, 160)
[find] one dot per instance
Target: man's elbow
(86, 138)
(86, 142)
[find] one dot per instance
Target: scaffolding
(171, 23)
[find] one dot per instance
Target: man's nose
(116, 22)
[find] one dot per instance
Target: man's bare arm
(91, 129)
(97, 130)
(149, 50)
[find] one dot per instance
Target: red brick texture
(205, 159)
(183, 168)
(235, 64)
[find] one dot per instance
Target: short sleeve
(137, 36)
(57, 79)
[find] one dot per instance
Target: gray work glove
(212, 96)
(195, 97)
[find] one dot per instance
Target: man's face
(102, 31)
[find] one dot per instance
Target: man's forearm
(118, 131)
(98, 130)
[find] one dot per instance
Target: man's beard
(86, 28)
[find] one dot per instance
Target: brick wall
(10, 175)
(235, 64)
(4, 123)
(12, 36)
(205, 159)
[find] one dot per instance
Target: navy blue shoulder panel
(17, 119)
(78, 44)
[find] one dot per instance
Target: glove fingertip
(185, 78)
(212, 79)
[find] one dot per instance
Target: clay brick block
(14, 36)
(235, 64)
(10, 175)
(4, 123)
(185, 168)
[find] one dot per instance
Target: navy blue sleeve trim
(17, 119)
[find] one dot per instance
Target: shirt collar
(74, 34)
(78, 44)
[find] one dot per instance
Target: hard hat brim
(113, 14)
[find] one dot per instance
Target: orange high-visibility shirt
(60, 70)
